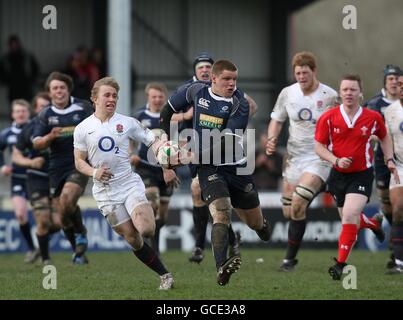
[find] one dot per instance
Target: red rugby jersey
(346, 138)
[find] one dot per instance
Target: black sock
(219, 241)
(231, 236)
(53, 229)
(200, 220)
(150, 259)
(396, 236)
(77, 220)
(69, 233)
(26, 233)
(296, 230)
(43, 242)
(156, 239)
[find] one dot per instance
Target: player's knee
(287, 212)
(298, 208)
(153, 198)
(68, 201)
(220, 210)
(67, 208)
(40, 206)
(286, 206)
(302, 196)
(255, 224)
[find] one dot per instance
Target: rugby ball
(168, 155)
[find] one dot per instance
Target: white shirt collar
(349, 123)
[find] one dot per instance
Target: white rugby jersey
(303, 112)
(107, 143)
(394, 123)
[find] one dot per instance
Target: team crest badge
(364, 130)
(319, 104)
(119, 128)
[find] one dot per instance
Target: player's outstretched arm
(44, 142)
(102, 174)
(323, 152)
(81, 163)
(387, 148)
(165, 119)
(18, 158)
(252, 105)
(273, 131)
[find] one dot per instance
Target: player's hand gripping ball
(168, 155)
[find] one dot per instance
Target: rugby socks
(26, 233)
(368, 223)
(43, 242)
(396, 236)
(149, 257)
(77, 220)
(231, 236)
(296, 230)
(219, 241)
(53, 229)
(156, 239)
(200, 220)
(347, 238)
(69, 233)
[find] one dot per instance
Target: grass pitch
(121, 276)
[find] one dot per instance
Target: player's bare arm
(45, 141)
(102, 173)
(170, 177)
(273, 131)
(183, 116)
(322, 151)
(387, 148)
(19, 159)
(252, 105)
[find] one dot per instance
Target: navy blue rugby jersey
(150, 120)
(8, 138)
(61, 149)
(25, 145)
(211, 111)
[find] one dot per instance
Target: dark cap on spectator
(391, 69)
(202, 57)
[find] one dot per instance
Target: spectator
(83, 71)
(18, 70)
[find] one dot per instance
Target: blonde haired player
(103, 139)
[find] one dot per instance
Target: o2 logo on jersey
(107, 144)
(305, 114)
(401, 126)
